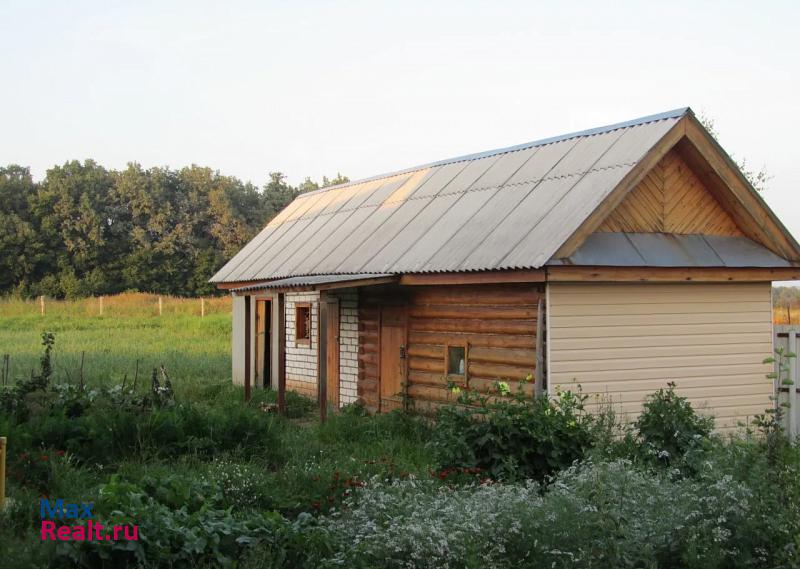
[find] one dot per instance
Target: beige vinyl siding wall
(622, 342)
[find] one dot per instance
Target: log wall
(496, 324)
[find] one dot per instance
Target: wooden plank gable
(671, 199)
(695, 160)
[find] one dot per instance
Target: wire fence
(129, 304)
(145, 304)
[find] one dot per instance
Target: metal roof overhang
(318, 282)
(671, 250)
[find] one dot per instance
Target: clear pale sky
(312, 88)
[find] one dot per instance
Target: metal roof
(308, 281)
(502, 209)
(670, 250)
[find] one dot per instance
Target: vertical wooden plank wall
(496, 324)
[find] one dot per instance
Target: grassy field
(195, 350)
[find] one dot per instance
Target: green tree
(74, 221)
(85, 230)
(759, 179)
(277, 194)
(308, 185)
(20, 249)
(339, 179)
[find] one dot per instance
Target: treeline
(84, 230)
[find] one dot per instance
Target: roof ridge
(675, 113)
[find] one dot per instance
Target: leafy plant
(668, 427)
(771, 422)
(181, 523)
(513, 437)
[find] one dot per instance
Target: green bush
(592, 515)
(513, 438)
(108, 425)
(669, 427)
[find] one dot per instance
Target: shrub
(513, 437)
(593, 515)
(669, 427)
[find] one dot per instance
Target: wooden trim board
(671, 274)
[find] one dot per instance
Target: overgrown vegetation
(503, 482)
(512, 438)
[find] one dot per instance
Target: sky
(314, 88)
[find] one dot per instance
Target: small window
(302, 323)
(456, 361)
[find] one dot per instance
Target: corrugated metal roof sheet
(306, 281)
(507, 208)
(670, 250)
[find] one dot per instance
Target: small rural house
(619, 258)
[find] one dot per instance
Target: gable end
(671, 199)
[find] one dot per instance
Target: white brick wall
(301, 360)
(348, 346)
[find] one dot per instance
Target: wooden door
(332, 356)
(392, 356)
(263, 318)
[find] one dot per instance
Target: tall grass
(195, 351)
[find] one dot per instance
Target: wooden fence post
(160, 307)
(101, 306)
(202, 307)
(3, 442)
(41, 304)
(792, 399)
(83, 356)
